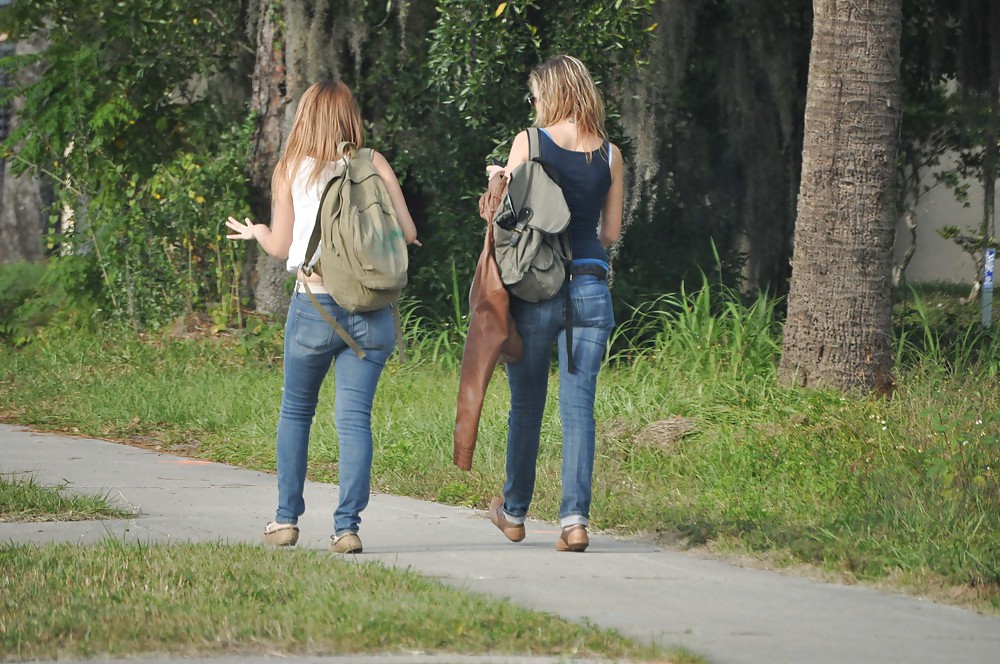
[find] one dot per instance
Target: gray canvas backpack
(531, 229)
(362, 249)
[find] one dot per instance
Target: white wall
(938, 259)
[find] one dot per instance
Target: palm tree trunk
(839, 328)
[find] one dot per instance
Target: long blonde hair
(327, 115)
(565, 91)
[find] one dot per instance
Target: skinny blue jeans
(541, 324)
(311, 346)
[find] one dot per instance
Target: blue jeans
(541, 324)
(311, 346)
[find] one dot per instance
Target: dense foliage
(136, 120)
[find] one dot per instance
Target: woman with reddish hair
(327, 115)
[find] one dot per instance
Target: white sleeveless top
(305, 204)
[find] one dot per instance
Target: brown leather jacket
(492, 336)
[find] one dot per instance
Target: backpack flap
(536, 199)
(532, 262)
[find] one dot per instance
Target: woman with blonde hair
(327, 115)
(574, 142)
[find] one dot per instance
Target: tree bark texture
(268, 103)
(839, 328)
(25, 199)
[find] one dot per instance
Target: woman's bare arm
(611, 215)
(396, 196)
(276, 239)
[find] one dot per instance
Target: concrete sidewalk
(727, 613)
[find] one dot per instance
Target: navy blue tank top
(585, 185)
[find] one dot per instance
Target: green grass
(698, 443)
(121, 600)
(22, 499)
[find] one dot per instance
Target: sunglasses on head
(531, 99)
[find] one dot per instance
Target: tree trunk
(268, 104)
(839, 328)
(25, 199)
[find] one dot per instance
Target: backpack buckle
(523, 217)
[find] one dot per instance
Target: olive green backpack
(531, 229)
(362, 249)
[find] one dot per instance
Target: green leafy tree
(125, 84)
(126, 90)
(482, 53)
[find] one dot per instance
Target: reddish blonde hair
(327, 115)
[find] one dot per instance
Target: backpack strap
(313, 245)
(568, 303)
(397, 323)
(534, 149)
(337, 327)
(345, 146)
(535, 152)
(522, 216)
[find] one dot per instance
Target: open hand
(242, 230)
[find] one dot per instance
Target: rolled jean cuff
(573, 520)
(516, 520)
